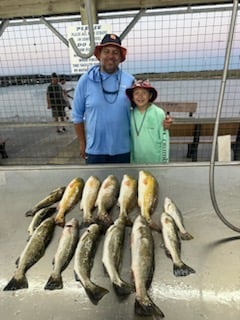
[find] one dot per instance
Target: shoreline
(188, 75)
(33, 79)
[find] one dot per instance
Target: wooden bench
(194, 131)
(3, 151)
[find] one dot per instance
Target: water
(205, 93)
(28, 103)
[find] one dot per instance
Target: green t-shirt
(149, 140)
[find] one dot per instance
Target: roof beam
(16, 9)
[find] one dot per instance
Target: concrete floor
(212, 293)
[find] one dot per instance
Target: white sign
(80, 35)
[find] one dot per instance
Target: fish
(70, 198)
(83, 262)
(112, 255)
(65, 251)
(171, 208)
(148, 196)
(172, 245)
(107, 197)
(33, 251)
(128, 195)
(53, 197)
(41, 215)
(142, 266)
(88, 200)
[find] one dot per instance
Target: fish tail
(146, 215)
(60, 220)
(54, 282)
(182, 270)
(95, 293)
(105, 221)
(123, 289)
(17, 283)
(147, 308)
(123, 213)
(88, 219)
(186, 236)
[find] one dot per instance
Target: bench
(194, 131)
(3, 151)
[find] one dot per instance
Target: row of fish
(103, 196)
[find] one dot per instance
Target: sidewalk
(40, 145)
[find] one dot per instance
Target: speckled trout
(83, 262)
(65, 251)
(112, 255)
(171, 208)
(32, 252)
(142, 265)
(70, 198)
(41, 215)
(173, 246)
(107, 197)
(53, 197)
(88, 200)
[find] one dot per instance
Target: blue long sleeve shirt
(106, 116)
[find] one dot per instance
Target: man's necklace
(105, 92)
(141, 124)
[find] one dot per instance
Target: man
(101, 109)
(56, 102)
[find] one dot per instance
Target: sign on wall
(80, 35)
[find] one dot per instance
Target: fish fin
(81, 205)
(17, 261)
(76, 276)
(186, 236)
(147, 308)
(182, 270)
(95, 293)
(167, 252)
(16, 284)
(123, 289)
(150, 277)
(29, 213)
(54, 282)
(105, 270)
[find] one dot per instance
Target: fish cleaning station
(194, 273)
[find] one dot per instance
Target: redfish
(107, 197)
(89, 197)
(70, 198)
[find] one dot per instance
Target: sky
(164, 42)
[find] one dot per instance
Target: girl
(149, 126)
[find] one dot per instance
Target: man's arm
(48, 100)
(80, 131)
